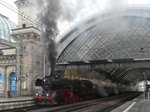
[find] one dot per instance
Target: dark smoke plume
(50, 12)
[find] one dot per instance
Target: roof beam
(7, 43)
(106, 65)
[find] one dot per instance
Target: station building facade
(29, 51)
(21, 55)
(7, 57)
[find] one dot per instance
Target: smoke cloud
(53, 12)
(50, 12)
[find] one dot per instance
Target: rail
(103, 104)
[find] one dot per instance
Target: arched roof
(109, 37)
(5, 28)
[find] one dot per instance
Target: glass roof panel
(5, 28)
(102, 41)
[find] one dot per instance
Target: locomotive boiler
(58, 90)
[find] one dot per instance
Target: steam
(91, 74)
(117, 9)
(52, 13)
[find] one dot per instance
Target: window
(23, 25)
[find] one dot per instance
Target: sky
(7, 12)
(13, 16)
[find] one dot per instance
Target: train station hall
(75, 56)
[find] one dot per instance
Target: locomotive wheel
(59, 98)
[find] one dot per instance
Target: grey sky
(13, 16)
(7, 12)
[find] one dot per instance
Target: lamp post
(145, 91)
(44, 63)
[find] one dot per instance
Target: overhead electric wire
(26, 17)
(20, 13)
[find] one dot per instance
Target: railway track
(101, 105)
(97, 105)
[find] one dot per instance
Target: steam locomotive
(58, 90)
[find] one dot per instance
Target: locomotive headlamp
(47, 94)
(44, 80)
(37, 94)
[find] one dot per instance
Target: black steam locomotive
(58, 90)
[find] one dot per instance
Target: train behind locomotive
(59, 90)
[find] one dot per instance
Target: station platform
(15, 99)
(15, 102)
(139, 104)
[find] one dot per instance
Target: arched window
(1, 85)
(13, 83)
